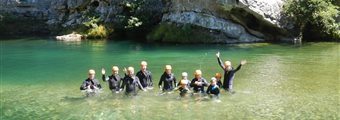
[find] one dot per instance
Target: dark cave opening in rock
(95, 4)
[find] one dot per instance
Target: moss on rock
(166, 32)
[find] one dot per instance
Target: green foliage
(133, 22)
(98, 32)
(93, 21)
(130, 13)
(320, 14)
(95, 30)
(179, 34)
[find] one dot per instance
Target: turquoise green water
(40, 79)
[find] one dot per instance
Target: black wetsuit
(131, 84)
(91, 83)
(167, 79)
(183, 91)
(228, 75)
(198, 88)
(145, 78)
(114, 81)
(213, 90)
(219, 83)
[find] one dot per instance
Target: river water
(40, 79)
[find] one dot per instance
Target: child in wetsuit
(213, 89)
(218, 77)
(183, 85)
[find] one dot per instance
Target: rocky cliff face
(235, 20)
(227, 21)
(70, 14)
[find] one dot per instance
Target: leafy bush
(315, 14)
(95, 30)
(98, 32)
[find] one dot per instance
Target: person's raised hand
(125, 71)
(243, 62)
(218, 54)
(103, 71)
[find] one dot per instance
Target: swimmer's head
(130, 71)
(184, 75)
(143, 65)
(227, 64)
(198, 74)
(168, 69)
(91, 74)
(115, 70)
(213, 81)
(218, 76)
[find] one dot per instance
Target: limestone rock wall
(228, 20)
(238, 20)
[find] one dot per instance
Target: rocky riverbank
(218, 21)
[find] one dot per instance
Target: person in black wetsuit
(229, 73)
(114, 80)
(169, 80)
(184, 85)
(213, 89)
(198, 83)
(218, 77)
(131, 82)
(91, 85)
(145, 76)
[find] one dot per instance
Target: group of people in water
(142, 80)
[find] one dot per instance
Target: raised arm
(104, 78)
(219, 60)
(243, 62)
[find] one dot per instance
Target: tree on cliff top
(315, 14)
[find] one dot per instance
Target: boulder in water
(71, 37)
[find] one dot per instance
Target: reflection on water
(41, 78)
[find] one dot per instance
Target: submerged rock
(71, 37)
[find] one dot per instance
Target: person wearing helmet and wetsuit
(198, 83)
(218, 77)
(114, 80)
(184, 85)
(229, 72)
(145, 76)
(131, 82)
(213, 90)
(168, 79)
(91, 85)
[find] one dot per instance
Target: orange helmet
(218, 75)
